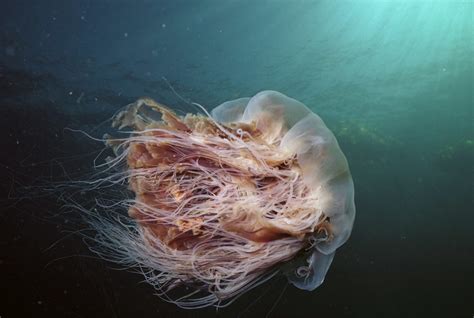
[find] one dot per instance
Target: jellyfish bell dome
(324, 168)
(225, 201)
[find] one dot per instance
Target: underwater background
(392, 79)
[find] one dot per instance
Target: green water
(392, 79)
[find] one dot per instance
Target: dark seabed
(392, 79)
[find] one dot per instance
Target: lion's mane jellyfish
(224, 201)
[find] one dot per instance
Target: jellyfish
(223, 201)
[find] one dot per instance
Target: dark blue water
(392, 79)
